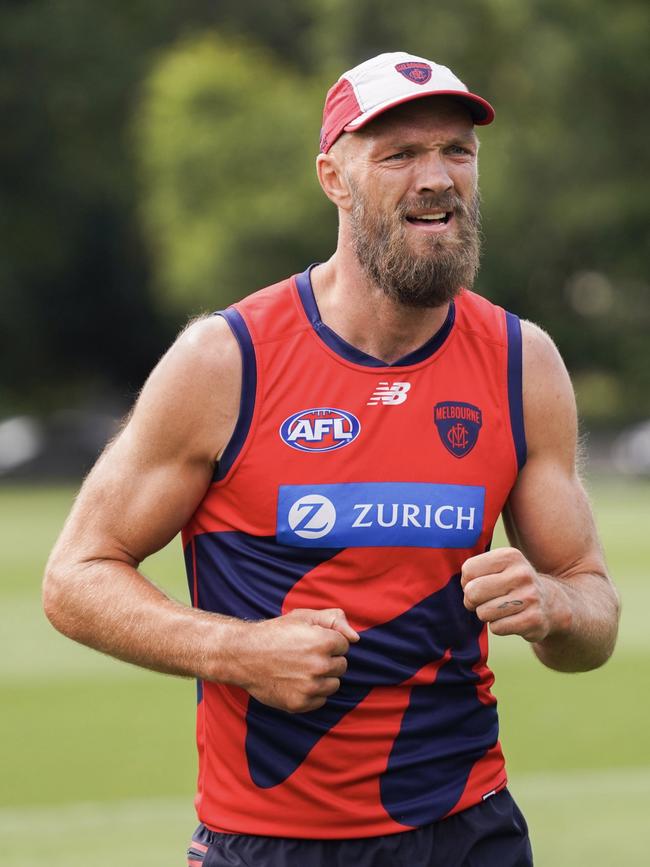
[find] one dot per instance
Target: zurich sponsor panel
(380, 514)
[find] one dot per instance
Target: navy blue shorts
(491, 834)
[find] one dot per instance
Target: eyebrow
(404, 144)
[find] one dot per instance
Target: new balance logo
(389, 393)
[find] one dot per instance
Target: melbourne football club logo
(418, 73)
(321, 429)
(458, 425)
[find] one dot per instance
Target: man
(337, 449)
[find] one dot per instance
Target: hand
(294, 662)
(504, 590)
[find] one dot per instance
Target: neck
(360, 312)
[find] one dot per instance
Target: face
(414, 218)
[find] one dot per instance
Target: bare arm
(553, 589)
(141, 492)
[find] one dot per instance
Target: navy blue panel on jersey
(515, 387)
(248, 388)
(249, 576)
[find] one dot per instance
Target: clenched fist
(504, 590)
(293, 662)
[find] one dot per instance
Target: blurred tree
(76, 315)
(227, 139)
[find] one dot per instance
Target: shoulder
(550, 414)
(191, 398)
(204, 348)
(544, 371)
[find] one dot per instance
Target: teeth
(440, 216)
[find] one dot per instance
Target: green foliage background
(157, 160)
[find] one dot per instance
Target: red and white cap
(388, 80)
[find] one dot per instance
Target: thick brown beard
(428, 279)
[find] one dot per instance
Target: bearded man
(337, 449)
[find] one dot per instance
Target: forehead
(434, 115)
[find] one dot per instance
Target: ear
(333, 180)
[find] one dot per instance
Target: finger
(500, 608)
(487, 588)
(340, 622)
(490, 562)
(332, 618)
(336, 644)
(526, 625)
(337, 667)
(327, 686)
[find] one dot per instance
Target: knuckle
(333, 685)
(338, 644)
(318, 666)
(530, 598)
(513, 554)
(483, 613)
(297, 704)
(499, 627)
(313, 690)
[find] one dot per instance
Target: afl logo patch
(321, 429)
(458, 425)
(418, 73)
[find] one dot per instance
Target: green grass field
(97, 758)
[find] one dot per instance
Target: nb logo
(312, 517)
(389, 394)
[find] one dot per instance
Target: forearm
(292, 662)
(110, 606)
(585, 614)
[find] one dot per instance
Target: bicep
(133, 503)
(548, 515)
(150, 479)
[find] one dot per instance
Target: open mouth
(440, 218)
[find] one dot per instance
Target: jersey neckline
(351, 353)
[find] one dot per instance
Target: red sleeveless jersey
(354, 484)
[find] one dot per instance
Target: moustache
(449, 202)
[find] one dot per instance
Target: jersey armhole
(248, 388)
(515, 388)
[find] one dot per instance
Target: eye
(460, 150)
(397, 156)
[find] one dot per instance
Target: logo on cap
(418, 73)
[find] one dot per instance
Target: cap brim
(480, 109)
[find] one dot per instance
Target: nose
(433, 176)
